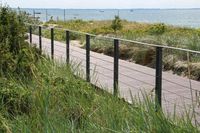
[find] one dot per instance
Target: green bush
(116, 24)
(17, 57)
(157, 29)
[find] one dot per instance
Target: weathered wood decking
(133, 78)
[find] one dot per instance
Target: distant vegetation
(38, 95)
(116, 24)
(160, 34)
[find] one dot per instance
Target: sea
(177, 17)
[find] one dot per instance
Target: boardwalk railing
(116, 43)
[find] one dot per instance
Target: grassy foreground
(56, 101)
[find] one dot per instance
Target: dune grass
(160, 34)
(153, 33)
(57, 101)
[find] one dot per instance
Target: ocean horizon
(182, 17)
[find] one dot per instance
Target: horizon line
(106, 8)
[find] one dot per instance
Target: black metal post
(40, 39)
(116, 66)
(67, 46)
(158, 86)
(30, 32)
(52, 43)
(88, 58)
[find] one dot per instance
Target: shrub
(17, 57)
(157, 29)
(116, 24)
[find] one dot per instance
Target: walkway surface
(133, 78)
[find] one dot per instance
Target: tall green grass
(57, 101)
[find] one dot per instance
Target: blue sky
(103, 3)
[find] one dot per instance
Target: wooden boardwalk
(133, 78)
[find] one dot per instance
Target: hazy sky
(103, 3)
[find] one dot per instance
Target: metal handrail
(116, 42)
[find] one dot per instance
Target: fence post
(116, 66)
(158, 86)
(67, 46)
(88, 58)
(30, 32)
(52, 43)
(40, 39)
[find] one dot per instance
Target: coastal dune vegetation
(175, 61)
(39, 95)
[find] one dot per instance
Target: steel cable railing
(115, 62)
